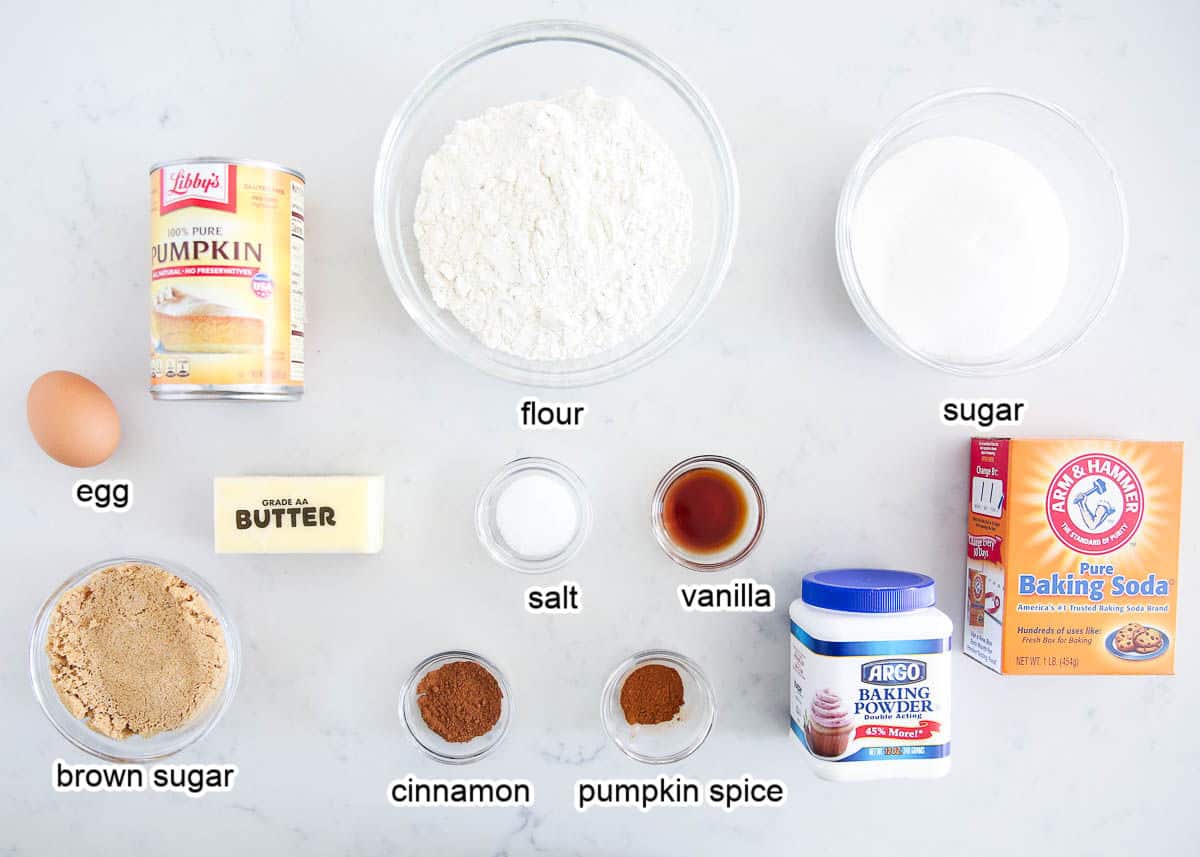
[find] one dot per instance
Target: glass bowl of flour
(982, 232)
(555, 204)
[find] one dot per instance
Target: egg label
(103, 495)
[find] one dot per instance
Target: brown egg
(72, 419)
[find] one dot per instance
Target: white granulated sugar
(962, 246)
(554, 229)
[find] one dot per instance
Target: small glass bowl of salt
(534, 516)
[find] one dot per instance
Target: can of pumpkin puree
(226, 280)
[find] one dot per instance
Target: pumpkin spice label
(678, 790)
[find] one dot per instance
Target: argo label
(871, 701)
(226, 280)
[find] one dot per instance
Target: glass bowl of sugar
(982, 232)
(500, 274)
(534, 515)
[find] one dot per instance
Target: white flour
(554, 229)
(962, 246)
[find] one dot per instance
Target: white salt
(536, 515)
(962, 247)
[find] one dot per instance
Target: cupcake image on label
(829, 725)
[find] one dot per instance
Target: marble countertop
(97, 92)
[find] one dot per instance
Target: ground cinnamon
(652, 694)
(459, 701)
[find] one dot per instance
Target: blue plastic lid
(868, 590)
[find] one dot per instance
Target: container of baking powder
(870, 675)
(226, 280)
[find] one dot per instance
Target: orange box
(1073, 556)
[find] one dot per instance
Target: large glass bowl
(1074, 164)
(539, 60)
(135, 749)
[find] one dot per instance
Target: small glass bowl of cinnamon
(707, 513)
(658, 707)
(456, 706)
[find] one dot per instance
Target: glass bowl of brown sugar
(658, 707)
(134, 659)
(456, 706)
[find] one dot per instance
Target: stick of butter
(298, 514)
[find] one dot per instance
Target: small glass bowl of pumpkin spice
(658, 707)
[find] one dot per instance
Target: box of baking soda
(1073, 556)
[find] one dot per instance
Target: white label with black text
(535, 414)
(741, 595)
(103, 495)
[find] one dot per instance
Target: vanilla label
(742, 595)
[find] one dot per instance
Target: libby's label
(203, 185)
(871, 701)
(226, 277)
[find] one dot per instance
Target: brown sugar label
(192, 780)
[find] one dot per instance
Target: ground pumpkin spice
(651, 694)
(135, 651)
(459, 701)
